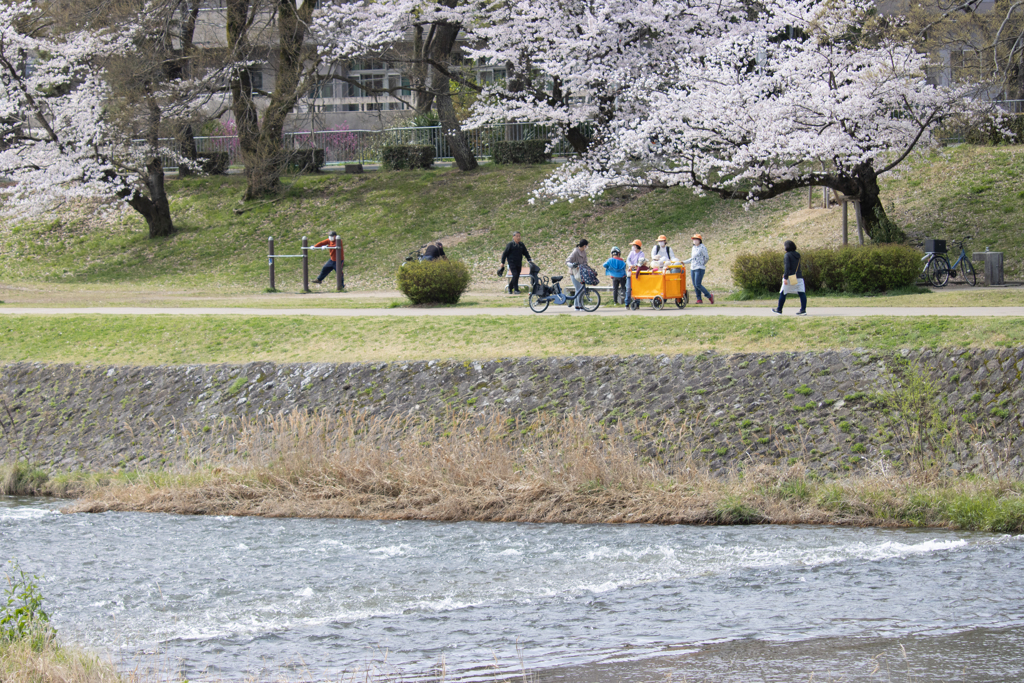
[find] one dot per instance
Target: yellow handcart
(659, 286)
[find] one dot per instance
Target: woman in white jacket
(699, 260)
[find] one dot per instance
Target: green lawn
(148, 340)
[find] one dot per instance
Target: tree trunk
(868, 191)
(263, 146)
(462, 152)
(422, 99)
(444, 41)
(186, 139)
(154, 208)
(577, 139)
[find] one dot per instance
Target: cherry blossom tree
(570, 62)
(744, 102)
(419, 36)
(65, 132)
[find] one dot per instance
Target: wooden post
(846, 225)
(305, 265)
(337, 270)
(270, 259)
(860, 222)
(824, 197)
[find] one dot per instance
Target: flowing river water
(241, 598)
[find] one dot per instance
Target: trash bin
(993, 266)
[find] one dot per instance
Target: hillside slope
(382, 216)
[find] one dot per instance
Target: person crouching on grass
(615, 268)
(337, 259)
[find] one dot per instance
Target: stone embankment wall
(834, 411)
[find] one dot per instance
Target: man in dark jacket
(434, 252)
(514, 253)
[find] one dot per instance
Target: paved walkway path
(737, 311)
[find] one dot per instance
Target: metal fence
(366, 146)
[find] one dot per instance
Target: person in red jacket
(337, 253)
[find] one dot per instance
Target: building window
(967, 65)
(348, 107)
(322, 91)
(368, 65)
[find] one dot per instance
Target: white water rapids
(224, 598)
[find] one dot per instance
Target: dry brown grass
(564, 470)
(54, 663)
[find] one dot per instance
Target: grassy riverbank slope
(963, 190)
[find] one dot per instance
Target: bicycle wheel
(590, 300)
(967, 269)
(537, 304)
(938, 271)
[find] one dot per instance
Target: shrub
(520, 152)
(22, 617)
(985, 131)
(398, 157)
(433, 282)
(215, 163)
(856, 270)
(306, 160)
(878, 268)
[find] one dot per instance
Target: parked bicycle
(543, 292)
(963, 265)
(936, 269)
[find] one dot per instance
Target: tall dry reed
(541, 469)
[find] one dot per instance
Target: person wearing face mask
(577, 258)
(699, 260)
(662, 253)
(634, 260)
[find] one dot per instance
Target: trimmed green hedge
(520, 152)
(306, 160)
(855, 270)
(433, 282)
(398, 157)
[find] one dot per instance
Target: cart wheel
(658, 303)
(634, 305)
(680, 303)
